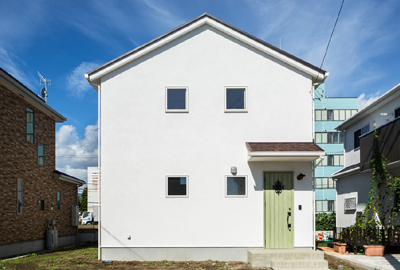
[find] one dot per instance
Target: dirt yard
(85, 257)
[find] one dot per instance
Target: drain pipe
(98, 88)
(313, 186)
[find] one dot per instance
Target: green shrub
(325, 221)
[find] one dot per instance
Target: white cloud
(364, 100)
(76, 81)
(74, 155)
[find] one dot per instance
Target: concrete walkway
(362, 262)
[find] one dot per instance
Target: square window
(342, 115)
(330, 115)
(177, 186)
(235, 99)
(324, 137)
(324, 115)
(236, 186)
(176, 99)
(318, 137)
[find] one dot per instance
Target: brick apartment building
(31, 189)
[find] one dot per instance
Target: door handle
(288, 224)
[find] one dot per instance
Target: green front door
(278, 210)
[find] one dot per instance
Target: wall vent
(350, 204)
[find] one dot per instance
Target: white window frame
(245, 100)
(186, 110)
(226, 187)
(176, 196)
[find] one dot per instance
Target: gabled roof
(95, 75)
(380, 102)
(25, 93)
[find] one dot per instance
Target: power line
(330, 38)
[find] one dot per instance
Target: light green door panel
(278, 210)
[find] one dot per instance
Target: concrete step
(287, 258)
(299, 264)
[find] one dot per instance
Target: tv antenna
(43, 91)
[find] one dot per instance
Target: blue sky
(65, 39)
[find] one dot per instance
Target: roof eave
(381, 101)
(67, 178)
(317, 74)
(22, 91)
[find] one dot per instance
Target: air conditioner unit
(350, 203)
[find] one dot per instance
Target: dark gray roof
(345, 169)
(221, 22)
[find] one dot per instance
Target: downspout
(313, 187)
(98, 166)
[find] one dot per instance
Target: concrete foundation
(175, 254)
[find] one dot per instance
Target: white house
(203, 133)
(354, 180)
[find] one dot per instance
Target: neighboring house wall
(19, 160)
(92, 187)
(376, 116)
(142, 144)
(353, 182)
(325, 187)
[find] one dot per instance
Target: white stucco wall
(141, 144)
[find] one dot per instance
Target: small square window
(176, 99)
(235, 99)
(236, 186)
(177, 186)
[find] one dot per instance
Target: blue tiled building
(329, 112)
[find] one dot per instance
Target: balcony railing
(389, 142)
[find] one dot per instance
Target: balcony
(389, 141)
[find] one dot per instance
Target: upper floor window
(333, 160)
(333, 115)
(29, 125)
(235, 99)
(176, 99)
(40, 154)
(19, 196)
(329, 137)
(358, 133)
(397, 113)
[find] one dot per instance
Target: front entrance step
(287, 259)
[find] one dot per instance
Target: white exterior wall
(142, 144)
(352, 156)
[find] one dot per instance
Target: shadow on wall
(258, 168)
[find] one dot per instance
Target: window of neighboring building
(333, 115)
(19, 196)
(58, 200)
(358, 133)
(40, 154)
(235, 99)
(42, 205)
(29, 125)
(236, 186)
(176, 99)
(333, 160)
(329, 137)
(324, 183)
(397, 113)
(325, 206)
(177, 186)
